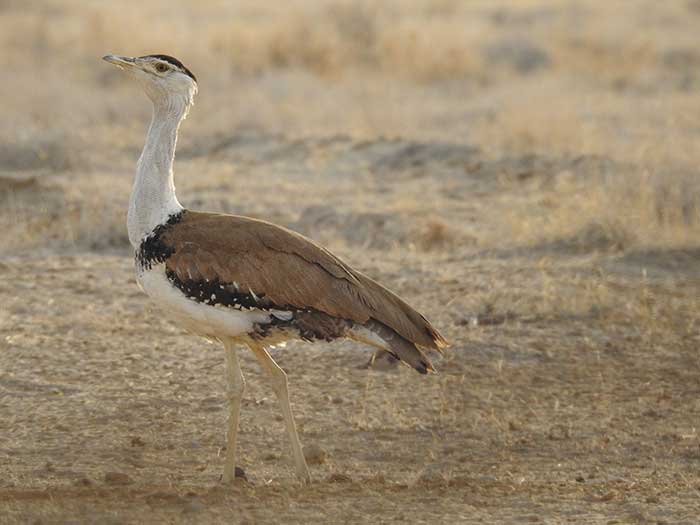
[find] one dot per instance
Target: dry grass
(397, 65)
(524, 172)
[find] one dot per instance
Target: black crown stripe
(175, 62)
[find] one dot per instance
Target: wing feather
(289, 270)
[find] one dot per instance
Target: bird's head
(165, 79)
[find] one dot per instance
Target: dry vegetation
(524, 172)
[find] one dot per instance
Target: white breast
(200, 318)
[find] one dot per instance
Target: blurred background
(524, 172)
(613, 84)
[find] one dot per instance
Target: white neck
(153, 197)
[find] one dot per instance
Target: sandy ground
(535, 196)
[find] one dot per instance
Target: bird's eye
(161, 68)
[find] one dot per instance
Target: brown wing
(288, 270)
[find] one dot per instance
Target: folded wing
(285, 270)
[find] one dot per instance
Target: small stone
(559, 433)
(432, 475)
(435, 474)
(193, 506)
(338, 477)
(238, 473)
(518, 54)
(314, 454)
(83, 482)
(171, 497)
(117, 478)
(608, 496)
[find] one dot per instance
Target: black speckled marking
(218, 293)
(175, 62)
(310, 324)
(152, 250)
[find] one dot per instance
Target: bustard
(243, 281)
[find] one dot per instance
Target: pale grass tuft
(596, 237)
(436, 234)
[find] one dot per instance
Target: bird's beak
(120, 62)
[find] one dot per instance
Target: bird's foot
(230, 477)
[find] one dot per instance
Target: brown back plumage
(288, 270)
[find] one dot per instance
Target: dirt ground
(524, 173)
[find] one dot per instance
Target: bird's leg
(236, 387)
(279, 384)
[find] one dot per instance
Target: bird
(245, 282)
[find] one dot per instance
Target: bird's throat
(153, 197)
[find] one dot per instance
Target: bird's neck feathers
(153, 198)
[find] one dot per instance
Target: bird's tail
(381, 336)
